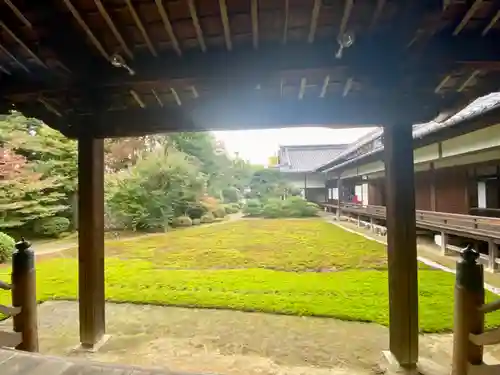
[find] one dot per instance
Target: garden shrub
(253, 207)
(6, 247)
(207, 218)
(219, 212)
(232, 208)
(196, 211)
(231, 195)
(182, 221)
(273, 208)
(196, 221)
(52, 226)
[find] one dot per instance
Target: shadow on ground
(227, 342)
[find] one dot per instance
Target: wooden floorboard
(14, 362)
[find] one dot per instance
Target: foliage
(253, 207)
(196, 221)
(231, 195)
(6, 247)
(196, 210)
(275, 208)
(219, 212)
(158, 188)
(207, 218)
(232, 208)
(52, 226)
(268, 183)
(182, 221)
(37, 171)
(359, 292)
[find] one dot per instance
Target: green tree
(162, 184)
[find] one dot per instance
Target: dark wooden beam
(371, 58)
(251, 112)
(401, 244)
(91, 239)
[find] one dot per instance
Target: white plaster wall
(479, 140)
(426, 153)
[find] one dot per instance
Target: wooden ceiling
(131, 67)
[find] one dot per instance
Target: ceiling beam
(440, 56)
(225, 24)
(240, 113)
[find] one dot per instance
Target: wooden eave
(215, 64)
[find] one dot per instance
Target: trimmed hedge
(253, 207)
(207, 218)
(52, 226)
(276, 208)
(219, 212)
(182, 221)
(6, 247)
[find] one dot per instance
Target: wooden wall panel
(452, 190)
(423, 183)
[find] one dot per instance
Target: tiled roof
(307, 158)
(479, 105)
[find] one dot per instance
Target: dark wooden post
(469, 297)
(401, 244)
(339, 199)
(24, 296)
(91, 240)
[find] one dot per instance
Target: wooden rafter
(13, 58)
(225, 24)
(441, 84)
(50, 107)
(97, 44)
(324, 88)
(469, 79)
(195, 92)
(4, 70)
(492, 23)
(155, 94)
(196, 24)
(378, 12)
(347, 87)
(345, 16)
(255, 23)
(176, 96)
(22, 44)
(470, 13)
(285, 23)
(314, 20)
(141, 27)
(137, 98)
(168, 26)
(19, 14)
(104, 13)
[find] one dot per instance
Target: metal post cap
(469, 255)
(22, 245)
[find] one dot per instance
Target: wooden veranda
(94, 69)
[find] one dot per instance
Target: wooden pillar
(433, 188)
(91, 240)
(492, 256)
(469, 296)
(444, 243)
(339, 200)
(401, 244)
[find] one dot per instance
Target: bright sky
(257, 146)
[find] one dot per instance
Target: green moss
(141, 271)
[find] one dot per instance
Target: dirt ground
(228, 342)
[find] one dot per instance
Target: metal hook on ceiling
(118, 61)
(345, 40)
